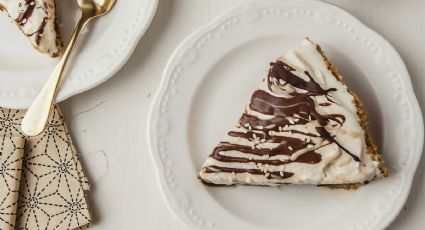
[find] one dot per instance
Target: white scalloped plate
(102, 52)
(210, 77)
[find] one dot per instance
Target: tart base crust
(371, 147)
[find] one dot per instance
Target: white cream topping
(336, 165)
(43, 11)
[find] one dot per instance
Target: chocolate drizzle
(284, 112)
(40, 31)
(282, 71)
(282, 149)
(26, 15)
(299, 105)
(327, 136)
(214, 169)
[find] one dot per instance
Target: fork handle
(36, 117)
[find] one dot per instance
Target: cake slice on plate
(301, 126)
(37, 20)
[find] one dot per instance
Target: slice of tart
(301, 126)
(37, 20)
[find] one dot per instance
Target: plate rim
(128, 48)
(411, 98)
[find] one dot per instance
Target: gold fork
(37, 115)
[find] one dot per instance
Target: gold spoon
(37, 115)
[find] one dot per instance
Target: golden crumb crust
(52, 5)
(59, 41)
(371, 147)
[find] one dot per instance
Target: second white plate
(211, 76)
(101, 53)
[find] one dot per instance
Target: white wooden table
(108, 123)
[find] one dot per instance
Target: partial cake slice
(301, 126)
(36, 19)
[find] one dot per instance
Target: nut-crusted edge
(371, 147)
(59, 41)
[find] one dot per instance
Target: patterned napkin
(52, 184)
(11, 153)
